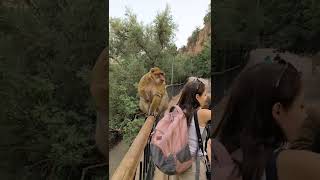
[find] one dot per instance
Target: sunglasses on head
(199, 82)
(286, 65)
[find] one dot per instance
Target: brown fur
(152, 91)
(98, 89)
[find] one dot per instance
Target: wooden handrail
(127, 168)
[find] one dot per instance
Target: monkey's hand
(155, 113)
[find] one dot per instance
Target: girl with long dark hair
(192, 100)
(264, 112)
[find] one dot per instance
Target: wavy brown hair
(247, 122)
(188, 102)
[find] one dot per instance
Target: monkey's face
(158, 76)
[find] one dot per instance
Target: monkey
(152, 91)
(99, 91)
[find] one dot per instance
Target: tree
(164, 27)
(48, 48)
(150, 43)
(202, 61)
(134, 49)
(261, 23)
(297, 32)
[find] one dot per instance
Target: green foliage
(207, 17)
(182, 68)
(237, 22)
(134, 49)
(47, 116)
(132, 129)
(164, 27)
(202, 61)
(149, 43)
(297, 32)
(193, 38)
(252, 23)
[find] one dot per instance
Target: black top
(271, 168)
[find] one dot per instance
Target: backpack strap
(200, 143)
(207, 163)
(196, 123)
(209, 134)
(271, 167)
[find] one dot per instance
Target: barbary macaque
(152, 91)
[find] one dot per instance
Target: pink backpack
(169, 143)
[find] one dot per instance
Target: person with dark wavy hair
(264, 113)
(193, 100)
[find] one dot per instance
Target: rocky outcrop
(197, 41)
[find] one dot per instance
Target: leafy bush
(49, 48)
(132, 129)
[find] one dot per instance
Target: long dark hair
(247, 122)
(188, 102)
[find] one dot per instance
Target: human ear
(197, 96)
(277, 112)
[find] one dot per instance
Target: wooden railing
(128, 166)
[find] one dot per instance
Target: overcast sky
(187, 14)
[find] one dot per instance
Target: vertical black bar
(140, 175)
(144, 161)
(148, 156)
(147, 159)
(148, 153)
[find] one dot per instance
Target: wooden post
(127, 168)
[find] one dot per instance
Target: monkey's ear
(152, 70)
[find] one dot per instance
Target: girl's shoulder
(204, 111)
(204, 114)
(298, 164)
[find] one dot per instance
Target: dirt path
(115, 156)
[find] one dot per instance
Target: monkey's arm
(155, 104)
(156, 99)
